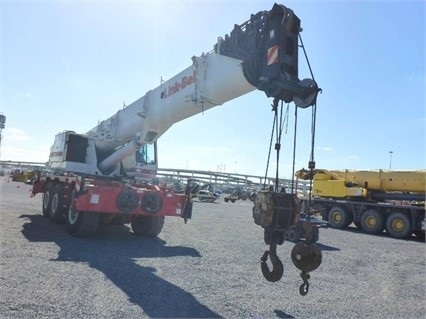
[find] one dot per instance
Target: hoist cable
(314, 116)
(312, 159)
(313, 123)
(279, 128)
(306, 57)
(269, 152)
(286, 118)
(293, 191)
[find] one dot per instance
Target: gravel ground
(207, 268)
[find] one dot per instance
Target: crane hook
(304, 288)
(277, 271)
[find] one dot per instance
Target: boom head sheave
(268, 45)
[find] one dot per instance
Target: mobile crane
(99, 176)
(372, 200)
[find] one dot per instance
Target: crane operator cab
(142, 165)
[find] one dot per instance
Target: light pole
(2, 125)
(390, 160)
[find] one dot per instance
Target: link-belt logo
(183, 83)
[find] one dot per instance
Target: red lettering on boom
(183, 83)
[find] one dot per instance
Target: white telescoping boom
(262, 53)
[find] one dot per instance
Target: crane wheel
(398, 225)
(47, 199)
(372, 222)
(147, 226)
(57, 210)
(82, 224)
(338, 217)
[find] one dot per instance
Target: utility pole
(390, 160)
(2, 126)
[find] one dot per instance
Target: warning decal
(273, 55)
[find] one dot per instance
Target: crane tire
(398, 225)
(82, 224)
(57, 210)
(338, 217)
(147, 226)
(372, 222)
(47, 199)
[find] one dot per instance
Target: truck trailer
(373, 200)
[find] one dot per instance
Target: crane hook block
(275, 211)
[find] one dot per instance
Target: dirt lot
(207, 268)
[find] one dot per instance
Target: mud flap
(187, 210)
